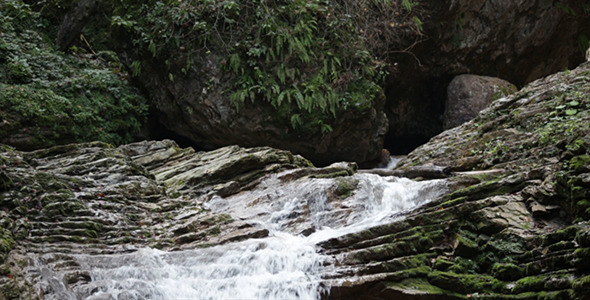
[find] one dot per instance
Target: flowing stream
(284, 265)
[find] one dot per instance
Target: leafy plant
(310, 60)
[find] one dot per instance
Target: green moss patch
(465, 283)
(419, 286)
(51, 97)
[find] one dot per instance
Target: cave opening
(415, 111)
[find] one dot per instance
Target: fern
(295, 121)
(407, 5)
(418, 23)
(234, 62)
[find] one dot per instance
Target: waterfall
(285, 265)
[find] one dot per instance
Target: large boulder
(468, 94)
(202, 112)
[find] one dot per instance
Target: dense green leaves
(310, 59)
(59, 97)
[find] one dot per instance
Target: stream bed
(285, 265)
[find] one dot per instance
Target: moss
(580, 164)
(214, 231)
(403, 247)
(442, 264)
(464, 266)
(507, 271)
(566, 234)
(453, 202)
(556, 295)
(529, 284)
(582, 286)
(335, 174)
(418, 286)
(408, 262)
(583, 237)
(465, 283)
(465, 246)
(561, 245)
(345, 187)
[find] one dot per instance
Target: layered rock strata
(517, 224)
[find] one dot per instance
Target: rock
(508, 132)
(74, 21)
(211, 120)
(510, 42)
(538, 210)
(505, 39)
(513, 214)
(424, 171)
(507, 271)
(496, 233)
(468, 94)
(95, 199)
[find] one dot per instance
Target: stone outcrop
(468, 94)
(516, 225)
(96, 199)
(203, 113)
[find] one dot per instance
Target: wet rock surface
(515, 225)
(93, 199)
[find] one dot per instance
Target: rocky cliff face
(511, 40)
(202, 112)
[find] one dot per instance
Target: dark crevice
(415, 112)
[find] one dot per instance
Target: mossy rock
(464, 266)
(582, 287)
(465, 283)
(582, 259)
(580, 164)
(465, 246)
(529, 284)
(345, 186)
(442, 264)
(422, 289)
(583, 237)
(566, 234)
(507, 271)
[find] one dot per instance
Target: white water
(284, 265)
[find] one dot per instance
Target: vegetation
(53, 97)
(310, 59)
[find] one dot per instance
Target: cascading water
(285, 265)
